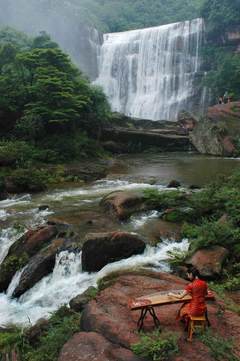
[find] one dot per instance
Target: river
(79, 206)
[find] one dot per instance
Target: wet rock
(194, 186)
(87, 171)
(123, 204)
(35, 332)
(100, 249)
(78, 302)
(187, 121)
(158, 229)
(215, 135)
(114, 147)
(209, 261)
(43, 207)
(35, 239)
(38, 267)
(174, 184)
(21, 251)
(91, 346)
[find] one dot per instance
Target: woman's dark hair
(194, 271)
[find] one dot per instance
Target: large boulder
(77, 303)
(109, 316)
(215, 135)
(100, 249)
(91, 346)
(209, 261)
(122, 204)
(38, 267)
(22, 250)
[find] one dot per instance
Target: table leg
(143, 314)
(154, 316)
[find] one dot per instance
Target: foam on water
(68, 280)
(100, 188)
(7, 237)
(139, 220)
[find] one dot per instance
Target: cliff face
(219, 132)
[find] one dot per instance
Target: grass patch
(156, 346)
(220, 348)
(62, 325)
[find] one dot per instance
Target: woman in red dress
(198, 289)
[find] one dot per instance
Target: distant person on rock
(198, 289)
(225, 97)
(220, 100)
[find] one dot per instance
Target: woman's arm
(182, 295)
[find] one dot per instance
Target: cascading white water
(150, 73)
(67, 281)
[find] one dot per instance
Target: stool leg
(190, 330)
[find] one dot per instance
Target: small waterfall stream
(151, 73)
(67, 279)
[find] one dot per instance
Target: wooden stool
(196, 322)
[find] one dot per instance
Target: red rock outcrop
(209, 261)
(108, 317)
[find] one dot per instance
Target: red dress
(197, 306)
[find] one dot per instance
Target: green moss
(12, 264)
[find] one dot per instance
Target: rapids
(72, 205)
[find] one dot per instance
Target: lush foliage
(222, 63)
(48, 110)
(62, 325)
(220, 15)
(42, 90)
(156, 346)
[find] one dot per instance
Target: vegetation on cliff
(210, 217)
(47, 107)
(222, 60)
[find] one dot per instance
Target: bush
(62, 325)
(156, 346)
(220, 348)
(164, 199)
(210, 234)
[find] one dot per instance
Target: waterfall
(153, 73)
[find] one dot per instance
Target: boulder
(77, 303)
(122, 204)
(100, 249)
(35, 332)
(179, 214)
(109, 317)
(38, 267)
(174, 184)
(91, 346)
(215, 135)
(209, 261)
(21, 251)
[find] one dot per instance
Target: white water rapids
(67, 281)
(152, 73)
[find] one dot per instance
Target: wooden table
(147, 303)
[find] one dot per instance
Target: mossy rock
(179, 215)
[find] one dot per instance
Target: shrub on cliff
(43, 91)
(156, 346)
